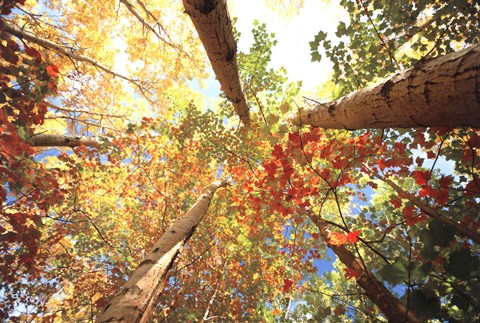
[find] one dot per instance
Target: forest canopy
(127, 194)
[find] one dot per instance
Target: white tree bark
(46, 140)
(137, 299)
(214, 27)
(440, 92)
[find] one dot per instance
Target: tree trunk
(440, 92)
(137, 299)
(214, 27)
(390, 306)
(45, 140)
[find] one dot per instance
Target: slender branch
(147, 25)
(433, 213)
(56, 107)
(23, 34)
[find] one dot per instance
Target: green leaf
(313, 45)
(316, 57)
(428, 250)
(442, 234)
(394, 273)
(425, 303)
(462, 263)
(321, 36)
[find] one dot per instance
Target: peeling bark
(440, 92)
(45, 140)
(214, 27)
(390, 306)
(137, 299)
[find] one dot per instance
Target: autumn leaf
(32, 52)
(421, 177)
(287, 285)
(442, 196)
(352, 237)
(351, 273)
(396, 201)
(445, 181)
(52, 70)
(338, 239)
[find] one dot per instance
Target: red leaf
(426, 190)
(287, 285)
(442, 197)
(445, 181)
(339, 310)
(381, 164)
(312, 135)
(32, 52)
(52, 70)
(351, 273)
(278, 151)
(431, 154)
(294, 139)
(397, 202)
(270, 167)
(352, 237)
(421, 177)
(472, 188)
(408, 211)
(474, 141)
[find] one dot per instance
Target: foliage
(383, 37)
(74, 224)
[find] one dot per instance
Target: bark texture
(137, 299)
(391, 307)
(213, 24)
(440, 92)
(45, 140)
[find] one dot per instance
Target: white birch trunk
(136, 300)
(440, 92)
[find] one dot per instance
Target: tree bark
(46, 140)
(137, 299)
(440, 92)
(390, 306)
(214, 27)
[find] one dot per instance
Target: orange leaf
(351, 273)
(352, 237)
(52, 70)
(338, 239)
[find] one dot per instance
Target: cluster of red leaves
(7, 5)
(338, 239)
(441, 195)
(26, 188)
